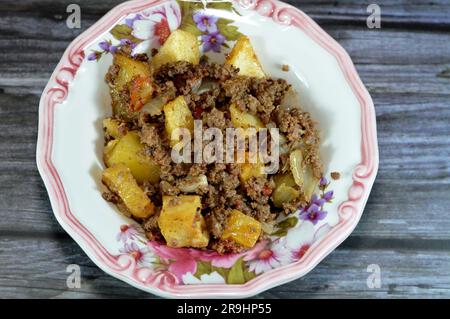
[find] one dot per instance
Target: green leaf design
(249, 275)
(228, 6)
(284, 226)
(230, 32)
(123, 31)
(206, 268)
(221, 271)
(203, 267)
(188, 25)
(236, 274)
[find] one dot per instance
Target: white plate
(70, 143)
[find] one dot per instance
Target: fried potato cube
(129, 68)
(249, 169)
(178, 116)
(119, 180)
(112, 128)
(108, 150)
(243, 56)
(182, 223)
(130, 151)
(242, 229)
(243, 119)
(179, 46)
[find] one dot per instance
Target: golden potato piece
(112, 128)
(119, 180)
(182, 223)
(243, 56)
(107, 151)
(242, 229)
(178, 116)
(179, 46)
(129, 68)
(129, 151)
(244, 120)
(249, 170)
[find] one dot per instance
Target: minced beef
(225, 191)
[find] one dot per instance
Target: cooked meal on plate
(225, 206)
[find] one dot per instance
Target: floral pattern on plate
(289, 242)
(154, 27)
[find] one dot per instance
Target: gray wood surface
(406, 225)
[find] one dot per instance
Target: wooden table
(405, 228)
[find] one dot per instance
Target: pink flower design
(128, 232)
(142, 256)
(228, 260)
(158, 24)
(184, 260)
(180, 260)
(297, 254)
(269, 258)
(300, 239)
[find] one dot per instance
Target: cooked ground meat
(111, 197)
(216, 118)
(151, 228)
(335, 175)
(259, 189)
(183, 75)
(225, 190)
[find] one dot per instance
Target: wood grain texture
(344, 273)
(405, 227)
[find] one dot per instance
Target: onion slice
(192, 184)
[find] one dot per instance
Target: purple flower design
(313, 214)
(205, 23)
(95, 55)
(128, 42)
(107, 47)
(319, 201)
(328, 196)
(212, 41)
(314, 210)
(129, 22)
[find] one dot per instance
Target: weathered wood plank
(30, 55)
(404, 272)
(394, 12)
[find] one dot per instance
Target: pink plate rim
(163, 283)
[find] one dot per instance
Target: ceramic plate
(70, 143)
